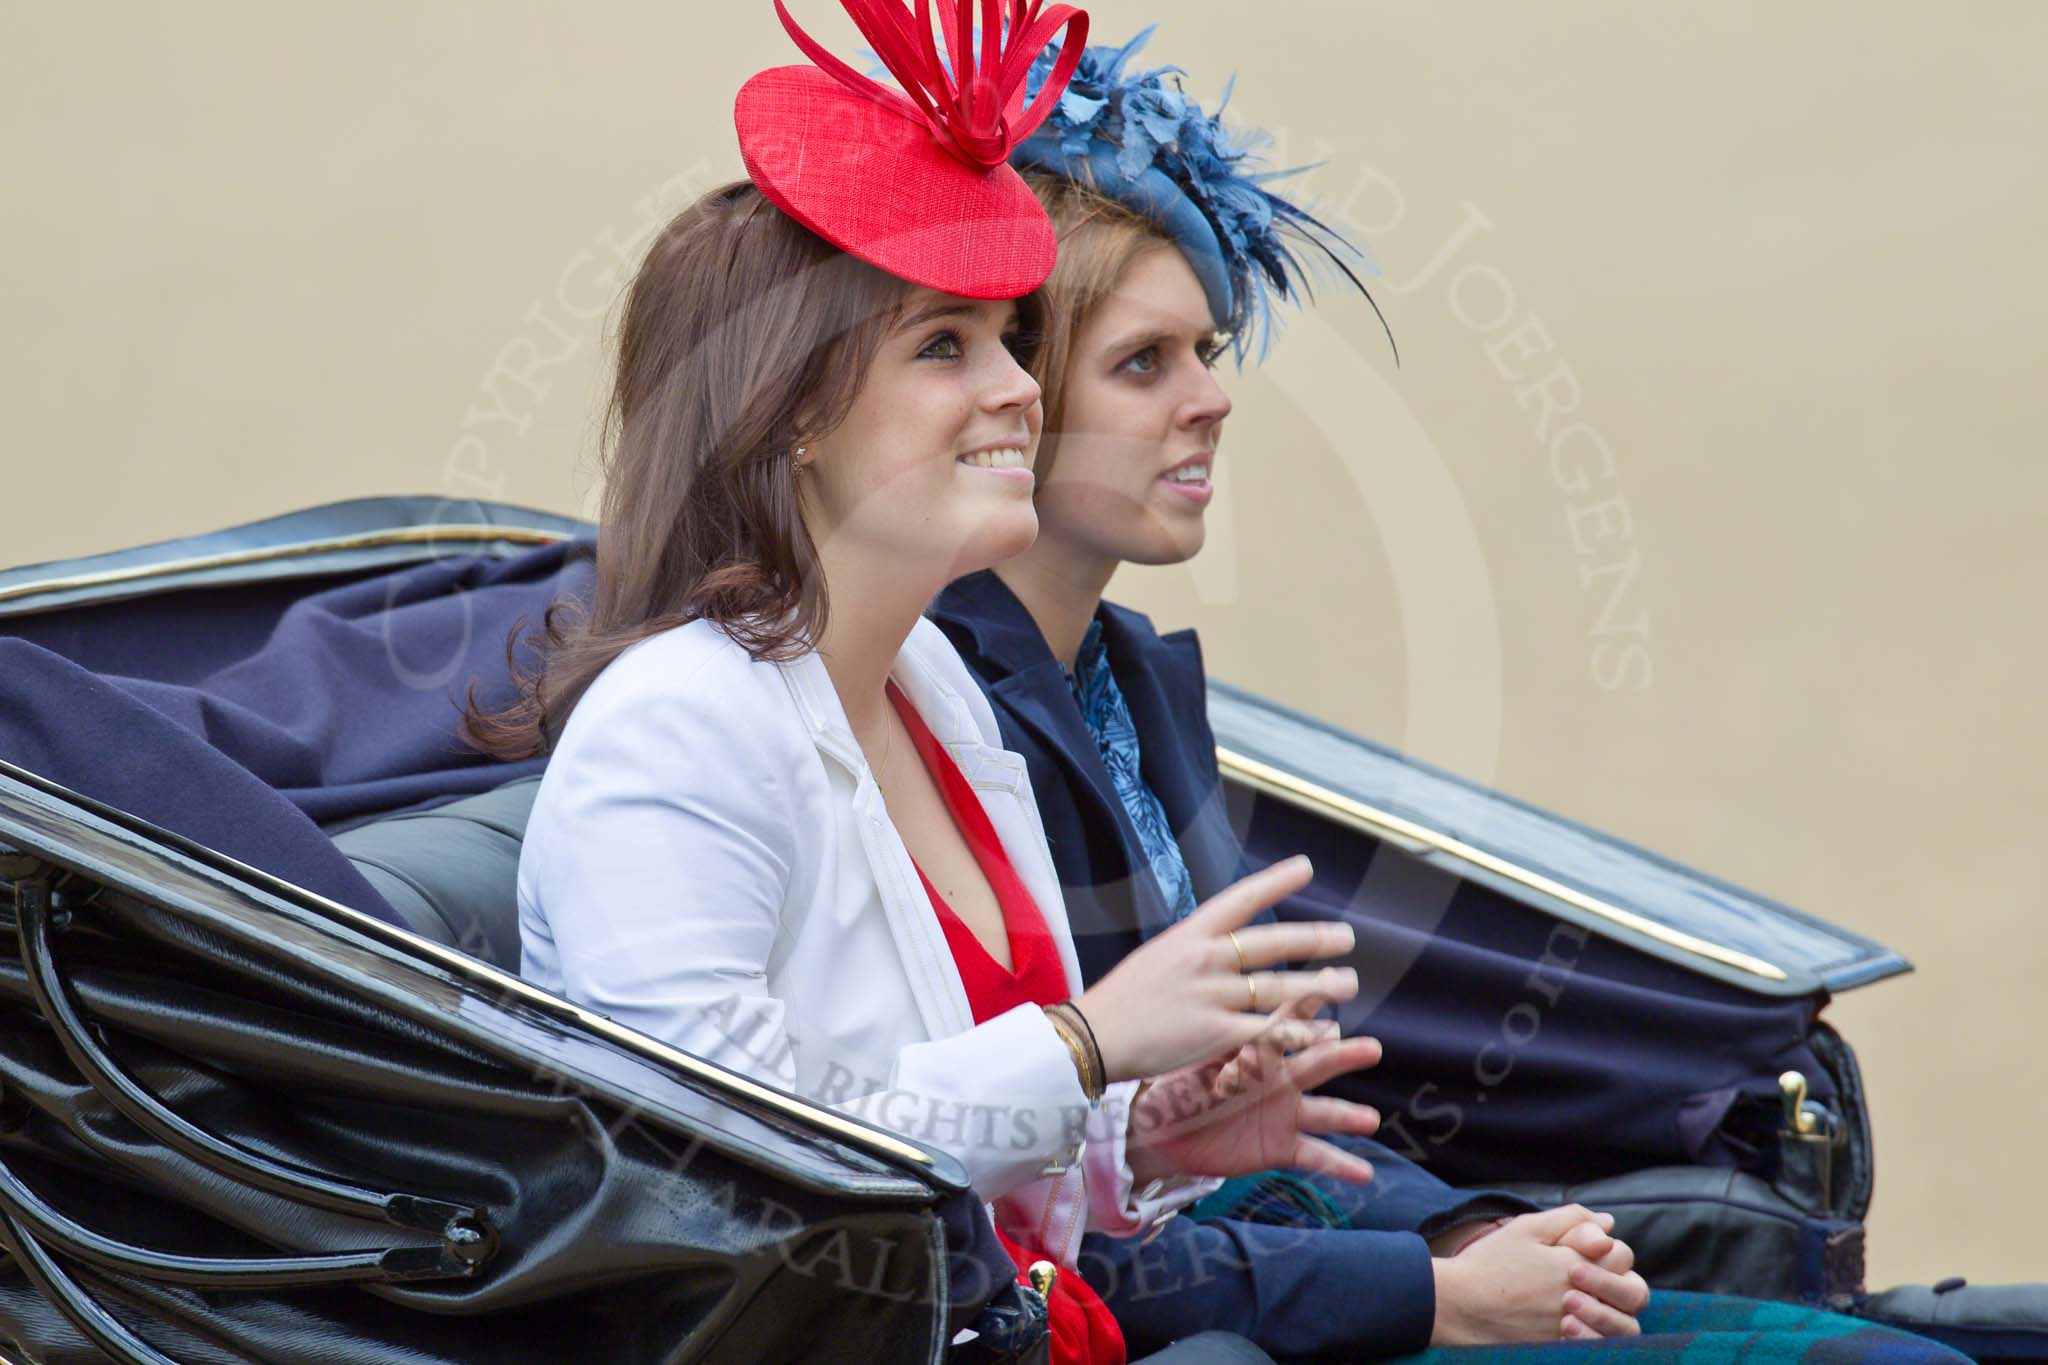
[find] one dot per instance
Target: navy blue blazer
(1368, 1289)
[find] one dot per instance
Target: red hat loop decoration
(917, 181)
(964, 98)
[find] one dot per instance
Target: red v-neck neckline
(961, 939)
(1035, 973)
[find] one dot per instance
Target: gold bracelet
(1073, 1012)
(1091, 1079)
(1091, 1084)
(1074, 1050)
(1068, 1011)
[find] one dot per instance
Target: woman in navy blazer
(1368, 1287)
(1111, 719)
(1154, 281)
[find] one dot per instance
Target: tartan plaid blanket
(1715, 1329)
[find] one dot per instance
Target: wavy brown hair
(743, 335)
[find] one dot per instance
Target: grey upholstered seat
(452, 872)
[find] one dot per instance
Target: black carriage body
(352, 1143)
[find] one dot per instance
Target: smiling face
(929, 474)
(1140, 416)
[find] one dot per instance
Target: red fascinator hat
(917, 181)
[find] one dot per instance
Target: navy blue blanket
(248, 717)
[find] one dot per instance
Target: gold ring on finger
(1251, 990)
(1238, 948)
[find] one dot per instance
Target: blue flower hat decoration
(1140, 140)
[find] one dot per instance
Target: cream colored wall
(1783, 261)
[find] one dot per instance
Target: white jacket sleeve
(653, 882)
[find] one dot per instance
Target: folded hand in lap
(1539, 1277)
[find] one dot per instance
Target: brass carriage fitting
(1792, 1090)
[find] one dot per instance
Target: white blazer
(710, 861)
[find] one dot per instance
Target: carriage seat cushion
(452, 872)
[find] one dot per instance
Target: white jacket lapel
(920, 942)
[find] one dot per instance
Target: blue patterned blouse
(1116, 736)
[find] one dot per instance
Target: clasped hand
(1227, 1042)
(1557, 1273)
(1250, 1109)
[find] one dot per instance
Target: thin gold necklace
(888, 742)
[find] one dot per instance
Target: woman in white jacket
(751, 839)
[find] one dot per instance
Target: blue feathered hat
(1142, 142)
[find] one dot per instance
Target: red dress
(1083, 1332)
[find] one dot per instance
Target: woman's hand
(1527, 1281)
(1183, 997)
(1246, 1111)
(1606, 1294)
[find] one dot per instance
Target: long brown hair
(743, 335)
